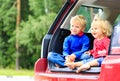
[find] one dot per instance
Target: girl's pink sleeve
(106, 44)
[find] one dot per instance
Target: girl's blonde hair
(79, 18)
(105, 26)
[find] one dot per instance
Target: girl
(101, 30)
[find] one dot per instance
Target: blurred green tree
(34, 23)
(7, 27)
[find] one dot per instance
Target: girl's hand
(87, 52)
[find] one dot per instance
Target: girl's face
(97, 31)
(76, 27)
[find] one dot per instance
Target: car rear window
(88, 12)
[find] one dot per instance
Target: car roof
(112, 6)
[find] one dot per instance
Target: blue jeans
(59, 59)
(99, 60)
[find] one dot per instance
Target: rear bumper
(64, 77)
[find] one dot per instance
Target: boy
(74, 45)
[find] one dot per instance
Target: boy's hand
(67, 60)
(70, 58)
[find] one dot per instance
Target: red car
(53, 41)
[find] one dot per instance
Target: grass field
(11, 72)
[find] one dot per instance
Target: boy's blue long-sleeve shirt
(75, 44)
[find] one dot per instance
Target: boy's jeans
(59, 59)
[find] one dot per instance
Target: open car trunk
(57, 47)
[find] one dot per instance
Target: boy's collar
(81, 33)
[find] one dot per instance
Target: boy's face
(76, 27)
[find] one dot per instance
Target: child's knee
(50, 56)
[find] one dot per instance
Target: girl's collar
(102, 38)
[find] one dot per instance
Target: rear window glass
(117, 19)
(88, 13)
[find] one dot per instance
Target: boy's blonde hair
(105, 26)
(79, 18)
